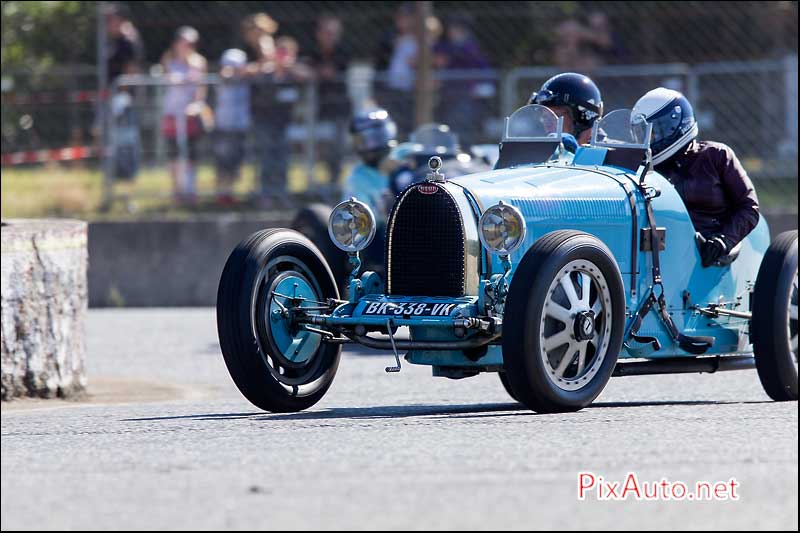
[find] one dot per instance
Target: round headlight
(351, 226)
(502, 229)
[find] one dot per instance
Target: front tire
(276, 366)
(507, 386)
(774, 324)
(563, 322)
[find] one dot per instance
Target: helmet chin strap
(577, 127)
(580, 128)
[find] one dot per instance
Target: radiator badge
(427, 188)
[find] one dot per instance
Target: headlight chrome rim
(353, 208)
(500, 209)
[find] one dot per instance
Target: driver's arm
(741, 195)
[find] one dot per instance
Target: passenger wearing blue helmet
(374, 135)
(713, 184)
(574, 97)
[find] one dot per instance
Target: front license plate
(409, 308)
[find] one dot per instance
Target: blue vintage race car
(555, 271)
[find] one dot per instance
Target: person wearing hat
(185, 115)
(232, 121)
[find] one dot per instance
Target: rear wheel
(277, 365)
(774, 324)
(563, 322)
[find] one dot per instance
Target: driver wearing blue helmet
(574, 97)
(713, 184)
(374, 135)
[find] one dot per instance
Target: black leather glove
(712, 250)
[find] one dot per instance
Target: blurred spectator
(185, 113)
(274, 94)
(329, 62)
(607, 45)
(582, 47)
(258, 30)
(434, 28)
(274, 91)
(232, 121)
(124, 56)
(459, 49)
(461, 98)
(124, 50)
(398, 59)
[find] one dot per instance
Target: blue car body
(555, 270)
(603, 201)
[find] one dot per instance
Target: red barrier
(71, 153)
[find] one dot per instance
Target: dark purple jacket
(715, 187)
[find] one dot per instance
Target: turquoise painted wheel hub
(295, 344)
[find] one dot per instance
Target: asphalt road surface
(171, 444)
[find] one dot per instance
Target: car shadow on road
(461, 411)
(357, 413)
(657, 403)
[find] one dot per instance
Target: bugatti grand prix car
(555, 272)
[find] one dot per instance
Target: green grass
(74, 191)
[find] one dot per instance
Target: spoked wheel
(277, 365)
(773, 327)
(575, 333)
(563, 322)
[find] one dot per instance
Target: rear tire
(261, 353)
(773, 327)
(559, 348)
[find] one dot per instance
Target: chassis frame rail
(685, 365)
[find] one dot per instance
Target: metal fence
(752, 106)
(44, 109)
(749, 105)
(729, 99)
(294, 146)
(736, 61)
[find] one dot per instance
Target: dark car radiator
(425, 244)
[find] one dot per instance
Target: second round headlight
(502, 229)
(351, 226)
